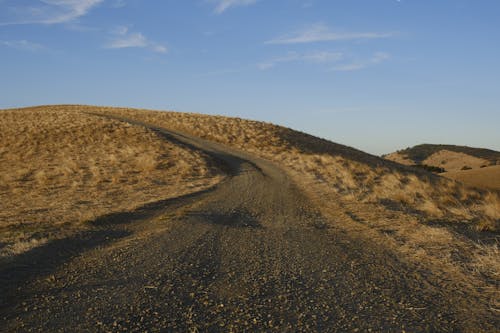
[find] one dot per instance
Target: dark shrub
(430, 168)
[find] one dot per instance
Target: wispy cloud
(323, 57)
(22, 45)
(126, 39)
(118, 4)
(307, 4)
(320, 32)
(319, 57)
(47, 11)
(343, 62)
(223, 5)
(377, 58)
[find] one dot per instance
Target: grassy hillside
(59, 168)
(351, 174)
(420, 215)
(419, 153)
(488, 177)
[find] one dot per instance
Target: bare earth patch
(59, 169)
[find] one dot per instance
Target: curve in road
(251, 254)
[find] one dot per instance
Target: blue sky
(378, 75)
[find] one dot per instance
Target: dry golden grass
(60, 168)
(414, 212)
(487, 178)
(446, 159)
(454, 161)
(399, 158)
(350, 173)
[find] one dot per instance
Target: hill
(60, 168)
(348, 172)
(197, 222)
(488, 177)
(448, 157)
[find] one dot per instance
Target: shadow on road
(41, 261)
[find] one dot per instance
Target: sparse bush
(430, 168)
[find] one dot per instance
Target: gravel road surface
(251, 254)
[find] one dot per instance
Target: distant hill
(446, 157)
(488, 177)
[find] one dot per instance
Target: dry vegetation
(424, 217)
(352, 174)
(454, 161)
(488, 177)
(59, 168)
(446, 159)
(451, 157)
(399, 158)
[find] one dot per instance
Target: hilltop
(448, 157)
(350, 173)
(241, 217)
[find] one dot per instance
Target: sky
(377, 75)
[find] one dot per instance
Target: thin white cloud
(377, 58)
(48, 11)
(349, 67)
(291, 56)
(223, 5)
(342, 62)
(323, 57)
(119, 4)
(320, 57)
(307, 4)
(320, 32)
(135, 39)
(159, 48)
(120, 30)
(22, 45)
(125, 39)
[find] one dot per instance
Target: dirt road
(251, 254)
